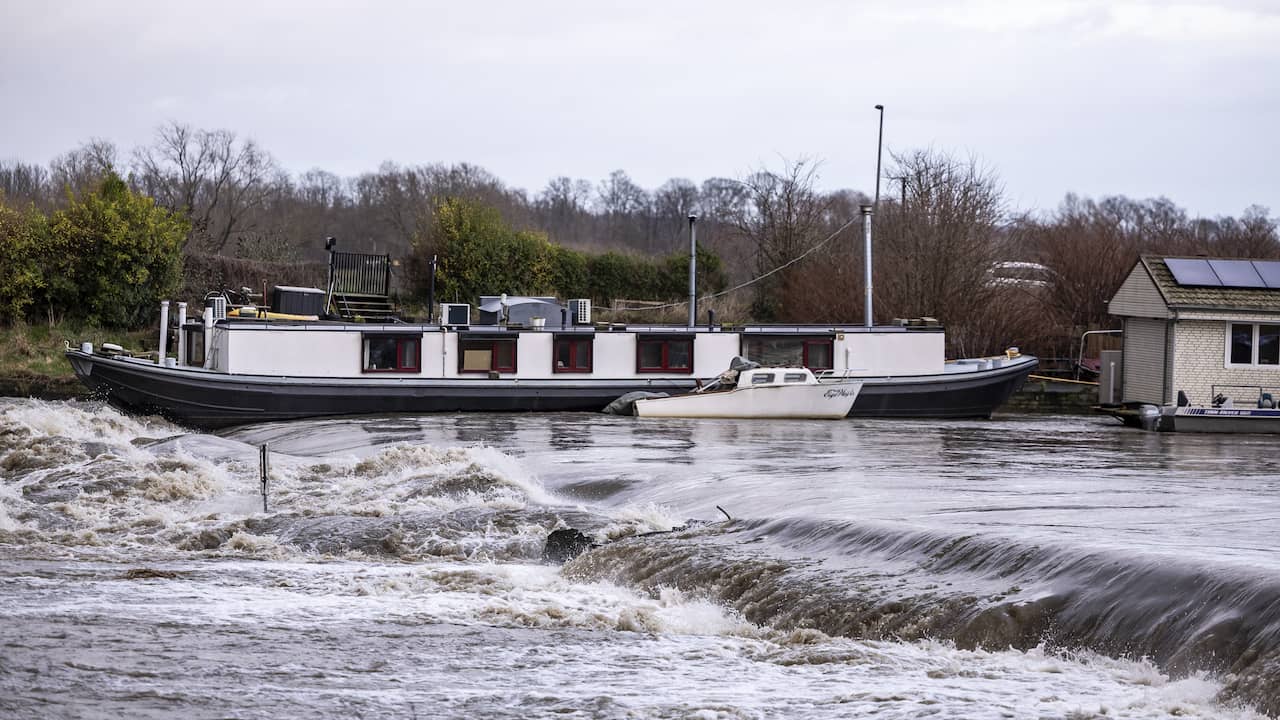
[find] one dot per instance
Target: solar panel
(1269, 271)
(1236, 273)
(1192, 271)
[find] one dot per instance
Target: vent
(219, 305)
(455, 314)
(580, 311)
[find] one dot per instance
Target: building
(1203, 326)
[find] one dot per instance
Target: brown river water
(1020, 567)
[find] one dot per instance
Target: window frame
(828, 342)
(1255, 345)
(400, 339)
(666, 341)
(195, 347)
(492, 340)
(805, 341)
(573, 339)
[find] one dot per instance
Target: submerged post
(693, 270)
(264, 458)
(866, 234)
(164, 331)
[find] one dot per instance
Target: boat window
(572, 354)
(195, 347)
(762, 378)
(811, 351)
(1253, 344)
(479, 354)
(817, 354)
(392, 353)
(795, 377)
(656, 354)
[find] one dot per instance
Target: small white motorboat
(762, 392)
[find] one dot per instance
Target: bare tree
(221, 183)
(82, 169)
(1253, 235)
(672, 204)
(626, 211)
(935, 251)
(783, 216)
(564, 211)
(25, 184)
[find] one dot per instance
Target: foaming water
(1012, 568)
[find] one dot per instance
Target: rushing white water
(1021, 567)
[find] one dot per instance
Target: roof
(1183, 296)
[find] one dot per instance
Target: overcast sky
(1180, 99)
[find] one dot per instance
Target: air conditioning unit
(580, 311)
(455, 314)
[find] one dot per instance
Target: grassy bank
(32, 363)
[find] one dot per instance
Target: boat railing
(837, 375)
(1263, 395)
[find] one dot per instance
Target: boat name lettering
(837, 392)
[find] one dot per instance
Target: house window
(1253, 344)
(487, 354)
(572, 354)
(658, 354)
(392, 353)
(813, 352)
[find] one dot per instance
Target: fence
(360, 273)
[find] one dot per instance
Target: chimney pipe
(693, 270)
(866, 234)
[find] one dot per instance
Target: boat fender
(626, 405)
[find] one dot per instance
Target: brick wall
(1200, 347)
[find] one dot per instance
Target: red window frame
(478, 343)
(666, 343)
(805, 343)
(403, 353)
(575, 364)
(831, 353)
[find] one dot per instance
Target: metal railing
(360, 273)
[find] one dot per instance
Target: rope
(753, 280)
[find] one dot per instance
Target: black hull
(212, 400)
(959, 395)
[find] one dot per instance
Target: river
(1024, 566)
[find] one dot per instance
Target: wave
(885, 583)
(87, 477)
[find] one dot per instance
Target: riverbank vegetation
(99, 235)
(32, 361)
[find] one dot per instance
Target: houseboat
(1201, 345)
(232, 370)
